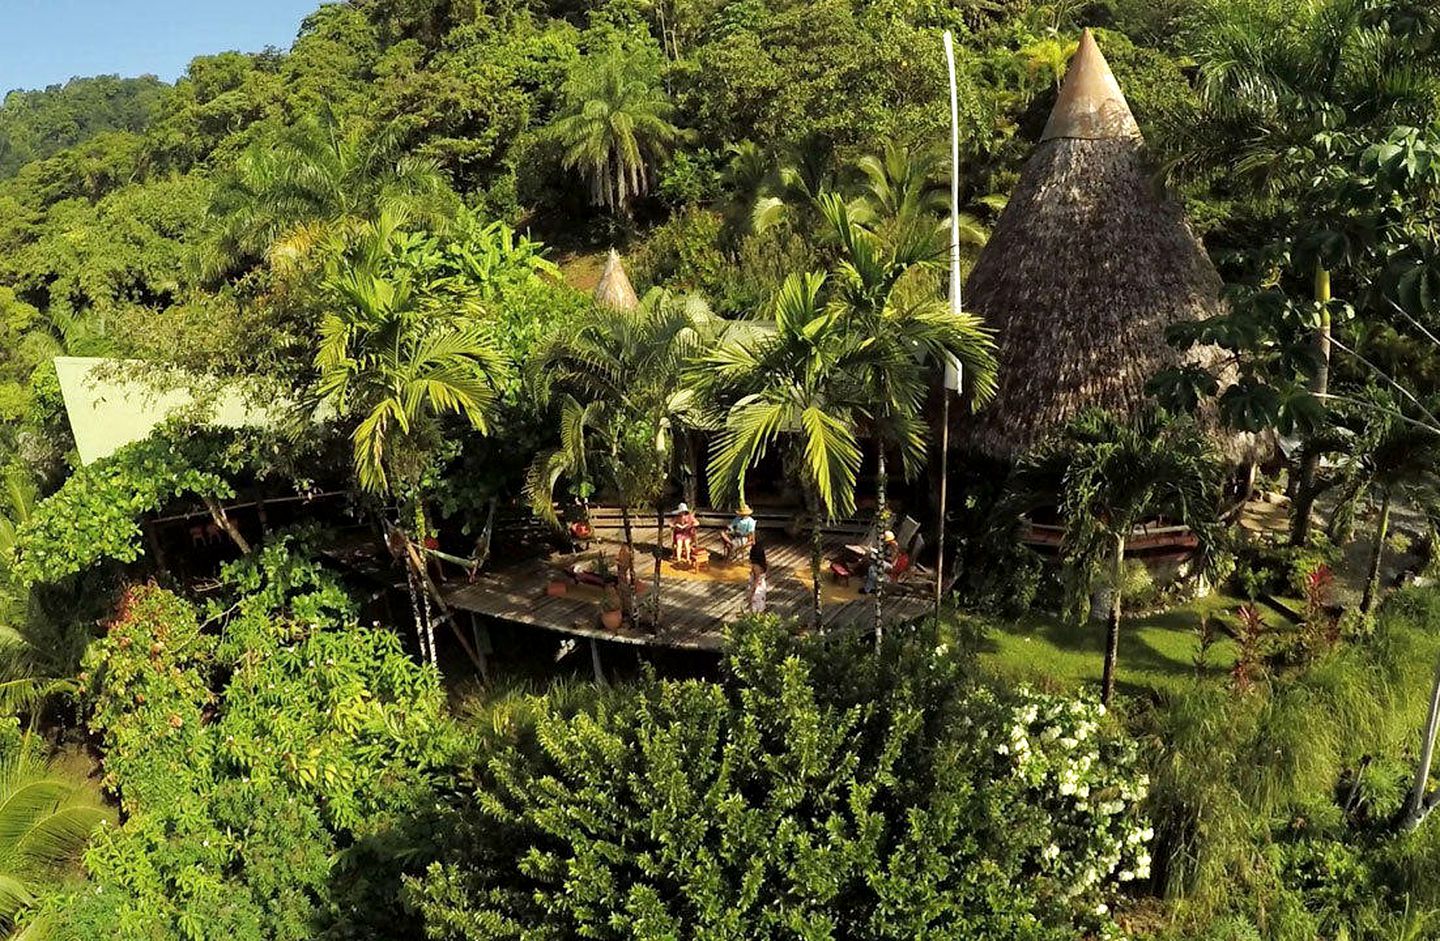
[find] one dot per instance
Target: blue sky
(44, 42)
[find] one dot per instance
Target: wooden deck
(694, 606)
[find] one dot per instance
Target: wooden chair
(906, 532)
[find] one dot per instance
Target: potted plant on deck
(611, 614)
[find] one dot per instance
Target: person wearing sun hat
(683, 529)
(739, 536)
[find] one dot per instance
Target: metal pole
(944, 487)
(1427, 755)
(952, 366)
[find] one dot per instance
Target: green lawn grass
(1157, 651)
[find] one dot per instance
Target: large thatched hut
(1086, 268)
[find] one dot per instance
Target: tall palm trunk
(659, 554)
(1112, 623)
(1377, 556)
(430, 629)
(816, 549)
(625, 572)
(1305, 490)
(416, 610)
(882, 522)
(417, 561)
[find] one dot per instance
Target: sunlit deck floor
(694, 606)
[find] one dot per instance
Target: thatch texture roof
(1086, 268)
(614, 289)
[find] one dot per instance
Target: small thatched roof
(614, 289)
(1086, 268)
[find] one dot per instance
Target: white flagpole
(952, 365)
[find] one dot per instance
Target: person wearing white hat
(683, 529)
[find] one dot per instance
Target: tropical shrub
(256, 765)
(684, 254)
(818, 791)
(95, 515)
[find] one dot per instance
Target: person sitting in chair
(739, 536)
(682, 530)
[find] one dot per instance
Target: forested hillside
(239, 707)
(140, 220)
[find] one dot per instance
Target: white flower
(1125, 875)
(1050, 852)
(1002, 749)
(1102, 909)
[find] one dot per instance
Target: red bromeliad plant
(1321, 627)
(1249, 663)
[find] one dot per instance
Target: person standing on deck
(759, 582)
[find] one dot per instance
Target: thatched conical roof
(614, 289)
(1090, 105)
(1086, 268)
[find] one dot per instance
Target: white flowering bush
(1080, 786)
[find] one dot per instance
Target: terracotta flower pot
(611, 620)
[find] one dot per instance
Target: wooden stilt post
(595, 662)
(480, 636)
(260, 512)
(156, 549)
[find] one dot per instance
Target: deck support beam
(595, 662)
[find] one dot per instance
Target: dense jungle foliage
(387, 236)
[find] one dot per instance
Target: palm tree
(45, 822)
(791, 192)
(627, 368)
(897, 195)
(1275, 82)
(1107, 477)
(906, 338)
(798, 382)
(395, 359)
(321, 182)
(614, 127)
(1403, 457)
(38, 652)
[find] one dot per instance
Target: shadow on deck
(695, 606)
